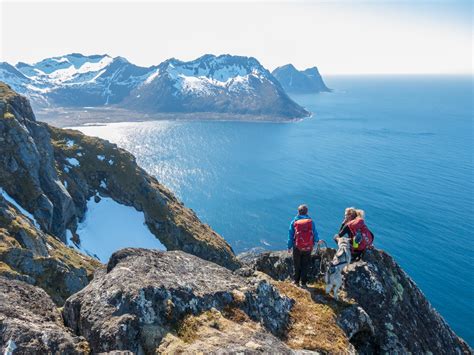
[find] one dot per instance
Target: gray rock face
(31, 324)
(30, 255)
(357, 325)
(391, 313)
(141, 298)
(27, 165)
(403, 319)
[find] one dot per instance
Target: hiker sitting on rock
(301, 238)
(354, 227)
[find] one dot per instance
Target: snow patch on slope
(110, 226)
(18, 206)
(152, 76)
(210, 79)
(67, 74)
(73, 161)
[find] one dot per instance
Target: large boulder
(145, 294)
(30, 323)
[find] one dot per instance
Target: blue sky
(339, 37)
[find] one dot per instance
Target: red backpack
(362, 236)
(304, 236)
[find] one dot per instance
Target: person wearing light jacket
(302, 236)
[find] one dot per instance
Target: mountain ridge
(224, 84)
(211, 83)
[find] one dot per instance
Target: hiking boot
(296, 283)
(304, 285)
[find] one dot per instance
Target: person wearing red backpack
(302, 236)
(355, 228)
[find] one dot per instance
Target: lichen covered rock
(212, 332)
(31, 324)
(146, 294)
(402, 317)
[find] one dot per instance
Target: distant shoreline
(88, 116)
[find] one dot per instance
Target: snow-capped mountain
(75, 79)
(24, 85)
(225, 84)
(218, 84)
(306, 81)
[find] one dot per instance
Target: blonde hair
(360, 213)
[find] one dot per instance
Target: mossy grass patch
(313, 323)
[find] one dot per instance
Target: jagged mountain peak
(76, 79)
(220, 68)
(48, 66)
(222, 84)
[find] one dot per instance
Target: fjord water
(401, 148)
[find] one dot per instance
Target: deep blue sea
(399, 147)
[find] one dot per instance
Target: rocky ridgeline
(148, 302)
(27, 165)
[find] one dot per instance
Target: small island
(307, 81)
